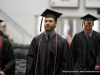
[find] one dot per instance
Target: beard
(49, 28)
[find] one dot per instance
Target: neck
(50, 32)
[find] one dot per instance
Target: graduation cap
(50, 13)
(1, 21)
(88, 17)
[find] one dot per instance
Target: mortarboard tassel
(38, 54)
(82, 24)
(55, 55)
(41, 24)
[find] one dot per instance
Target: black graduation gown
(85, 51)
(8, 58)
(63, 61)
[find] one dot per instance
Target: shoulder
(79, 34)
(95, 32)
(60, 38)
(5, 41)
(36, 38)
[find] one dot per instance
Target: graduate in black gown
(49, 53)
(7, 58)
(84, 48)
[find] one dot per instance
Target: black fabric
(48, 37)
(89, 17)
(47, 55)
(85, 51)
(1, 21)
(50, 13)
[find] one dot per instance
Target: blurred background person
(4, 31)
(7, 58)
(66, 33)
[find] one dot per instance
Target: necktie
(48, 37)
(87, 36)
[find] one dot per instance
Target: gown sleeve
(30, 58)
(98, 54)
(66, 59)
(74, 49)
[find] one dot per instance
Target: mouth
(47, 26)
(88, 30)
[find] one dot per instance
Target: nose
(47, 23)
(87, 27)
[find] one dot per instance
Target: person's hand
(2, 73)
(97, 67)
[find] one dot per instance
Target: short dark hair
(89, 22)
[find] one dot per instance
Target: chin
(47, 30)
(88, 32)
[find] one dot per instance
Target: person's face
(88, 26)
(49, 24)
(4, 28)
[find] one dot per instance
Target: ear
(92, 24)
(55, 24)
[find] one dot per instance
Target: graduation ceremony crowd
(50, 54)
